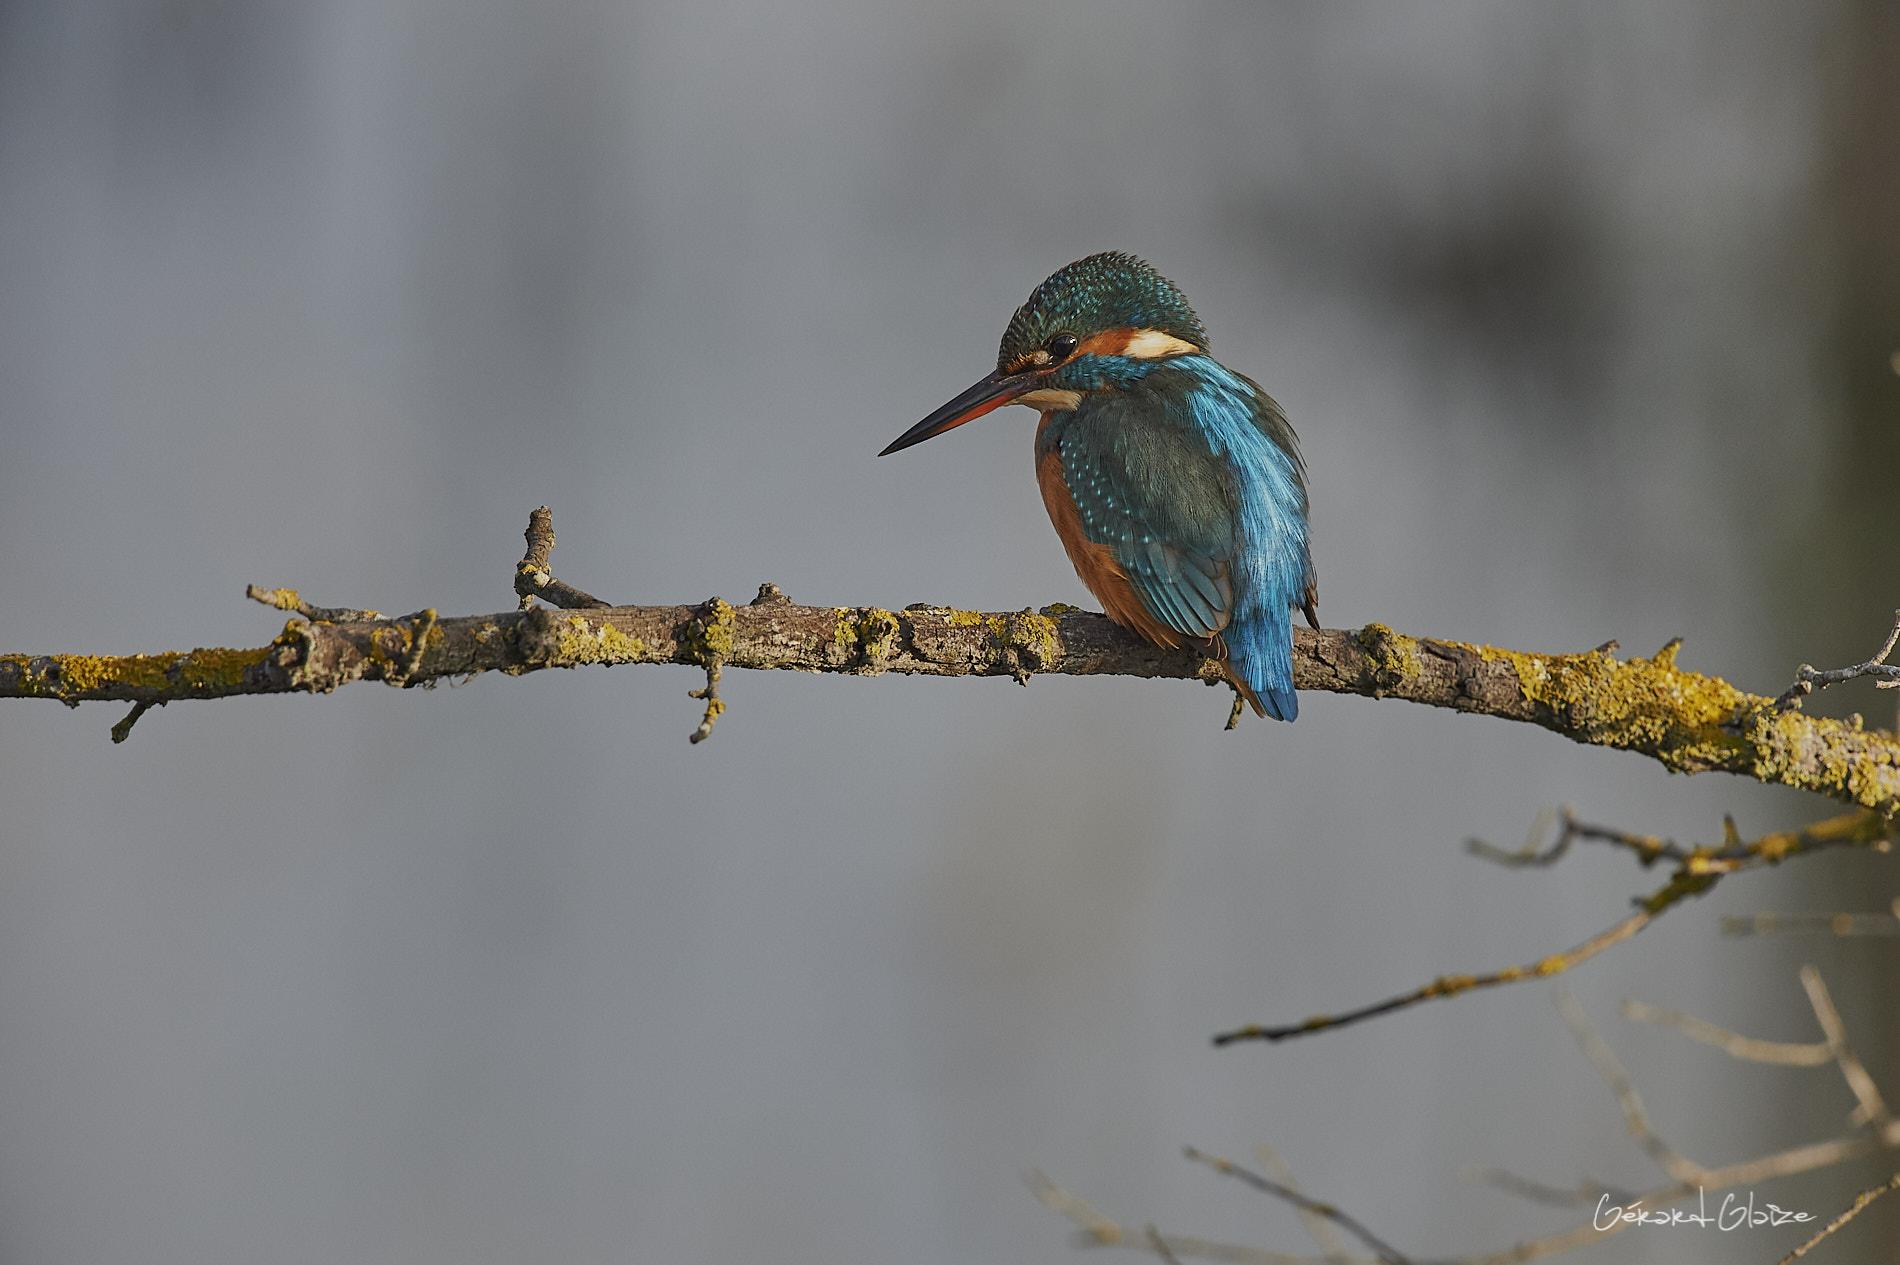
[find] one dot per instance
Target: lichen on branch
(1689, 722)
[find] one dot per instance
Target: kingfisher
(1175, 484)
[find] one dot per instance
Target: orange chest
(1094, 563)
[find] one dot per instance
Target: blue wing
(1156, 496)
(1192, 478)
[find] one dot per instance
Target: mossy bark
(1690, 722)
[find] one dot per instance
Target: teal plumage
(1176, 484)
(1077, 297)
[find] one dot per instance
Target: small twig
(1799, 1159)
(1871, 1109)
(1160, 1245)
(1866, 830)
(1635, 1116)
(1325, 1237)
(1385, 1252)
(1453, 985)
(532, 577)
(1099, 1230)
(1585, 1192)
(1734, 1044)
(1647, 848)
(123, 730)
(1847, 1214)
(1807, 679)
(1699, 869)
(291, 600)
(1096, 1225)
(715, 706)
(1843, 924)
(710, 640)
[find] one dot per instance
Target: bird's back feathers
(1189, 480)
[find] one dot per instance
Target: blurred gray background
(1584, 314)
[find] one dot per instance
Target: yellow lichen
(1034, 635)
(282, 599)
(877, 632)
(1787, 747)
(583, 641)
(218, 670)
(72, 677)
(708, 639)
(1685, 719)
(718, 636)
(1682, 885)
(1031, 634)
(1394, 656)
(867, 637)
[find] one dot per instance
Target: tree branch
(1697, 870)
(1687, 1179)
(1689, 722)
(1382, 1251)
(1848, 1214)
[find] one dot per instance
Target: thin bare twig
(1587, 1191)
(1734, 1044)
(123, 730)
(532, 577)
(1847, 1214)
(1842, 924)
(711, 640)
(1160, 1246)
(1324, 1235)
(1611, 1069)
(1100, 1230)
(1454, 985)
(1698, 869)
(1866, 830)
(1807, 679)
(1095, 1229)
(1383, 1251)
(1536, 854)
(1096, 1225)
(292, 601)
(1871, 1108)
(1688, 1179)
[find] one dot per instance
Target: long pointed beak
(992, 392)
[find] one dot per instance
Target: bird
(1175, 484)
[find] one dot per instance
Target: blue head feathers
(1111, 290)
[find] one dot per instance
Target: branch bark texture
(1689, 722)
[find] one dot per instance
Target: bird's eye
(1061, 346)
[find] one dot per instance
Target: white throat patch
(1050, 399)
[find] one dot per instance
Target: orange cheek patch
(1107, 343)
(1142, 344)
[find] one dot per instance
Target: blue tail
(1260, 655)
